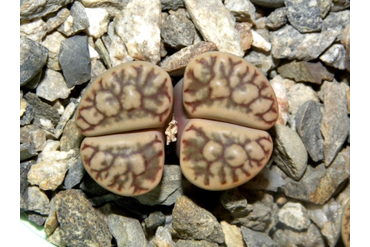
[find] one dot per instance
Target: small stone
(308, 121)
(27, 150)
(172, 4)
(302, 71)
(295, 216)
(277, 18)
(54, 22)
(336, 22)
(98, 21)
(162, 238)
(75, 174)
(319, 184)
(35, 30)
(233, 235)
(31, 9)
(259, 42)
(51, 222)
(71, 138)
(193, 243)
(33, 57)
(289, 151)
(178, 31)
(67, 27)
(79, 222)
(234, 202)
(288, 237)
(190, 221)
(55, 238)
(80, 19)
(139, 27)
(346, 40)
(36, 218)
(253, 238)
(216, 24)
(24, 169)
(324, 6)
(127, 231)
(263, 61)
(305, 16)
(267, 179)
(53, 86)
(75, 61)
(336, 56)
(242, 10)
(335, 122)
(344, 196)
(97, 68)
(281, 96)
(67, 114)
(154, 220)
(269, 3)
(42, 110)
(176, 63)
(246, 37)
(328, 218)
(37, 200)
(288, 43)
(53, 42)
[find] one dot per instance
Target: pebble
(246, 37)
(80, 18)
(178, 31)
(27, 150)
(35, 30)
(162, 238)
(289, 151)
(191, 221)
(24, 169)
(80, 223)
(75, 174)
(344, 195)
(346, 40)
(335, 122)
(328, 218)
(67, 27)
(75, 61)
(288, 43)
(336, 56)
(335, 23)
(67, 114)
(154, 220)
(53, 43)
(277, 18)
(36, 218)
(216, 24)
(71, 138)
(254, 238)
(37, 200)
(234, 202)
(194, 243)
(53, 86)
(54, 22)
(324, 6)
(294, 215)
(33, 57)
(303, 71)
(172, 4)
(33, 9)
(98, 19)
(127, 231)
(259, 42)
(308, 121)
(233, 235)
(139, 27)
(289, 237)
(267, 180)
(242, 10)
(305, 16)
(265, 62)
(269, 3)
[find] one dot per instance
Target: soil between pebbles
(297, 200)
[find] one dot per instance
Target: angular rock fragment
(53, 86)
(295, 216)
(336, 56)
(242, 10)
(80, 19)
(304, 15)
(253, 238)
(288, 237)
(31, 9)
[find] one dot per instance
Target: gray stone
(277, 18)
(288, 237)
(294, 215)
(36, 218)
(216, 24)
(336, 56)
(35, 30)
(308, 121)
(24, 169)
(336, 22)
(194, 243)
(54, 22)
(253, 238)
(193, 222)
(305, 16)
(53, 42)
(71, 138)
(269, 3)
(346, 40)
(234, 202)
(320, 183)
(172, 4)
(31, 9)
(53, 86)
(162, 238)
(328, 218)
(139, 27)
(75, 174)
(44, 113)
(75, 61)
(168, 190)
(288, 43)
(324, 6)
(79, 222)
(33, 57)
(242, 10)
(34, 82)
(335, 122)
(267, 179)
(37, 200)
(28, 115)
(264, 61)
(67, 114)
(178, 31)
(67, 27)
(127, 231)
(27, 150)
(289, 151)
(155, 219)
(339, 5)
(302, 71)
(80, 20)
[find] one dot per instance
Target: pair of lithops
(219, 110)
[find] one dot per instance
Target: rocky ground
(303, 48)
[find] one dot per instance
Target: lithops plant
(345, 228)
(223, 106)
(122, 114)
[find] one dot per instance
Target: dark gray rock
(27, 151)
(24, 169)
(304, 15)
(80, 19)
(90, 186)
(155, 219)
(42, 110)
(269, 3)
(308, 121)
(75, 174)
(31, 9)
(194, 243)
(27, 116)
(34, 82)
(37, 200)
(172, 4)
(253, 238)
(33, 57)
(178, 31)
(234, 202)
(79, 222)
(339, 5)
(289, 237)
(36, 218)
(75, 61)
(336, 56)
(277, 18)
